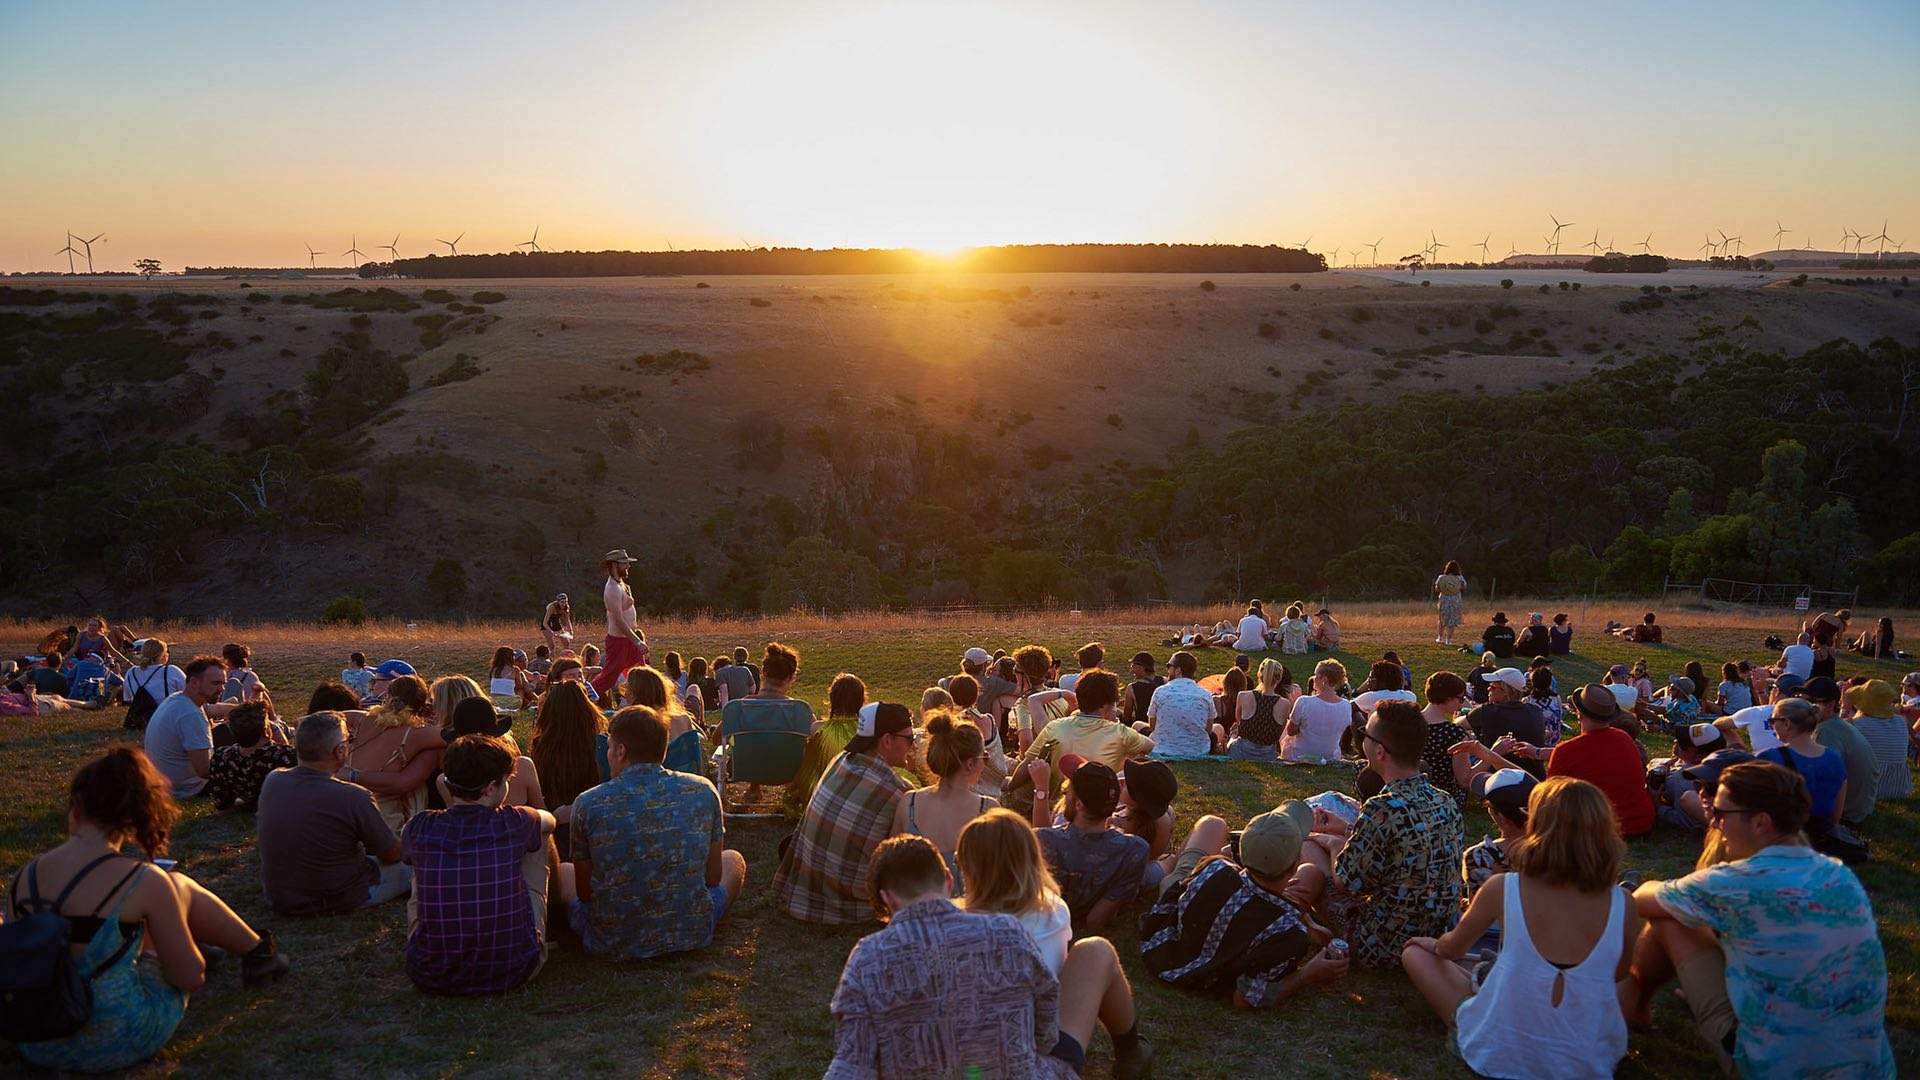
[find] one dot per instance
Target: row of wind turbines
(1725, 246)
(529, 245)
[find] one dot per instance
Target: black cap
(1821, 688)
(477, 716)
(1096, 787)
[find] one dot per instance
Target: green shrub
(1506, 283)
(488, 296)
(437, 296)
(1207, 286)
(447, 582)
(349, 610)
(336, 500)
(1295, 287)
(462, 369)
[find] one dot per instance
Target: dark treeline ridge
(1020, 258)
(1727, 461)
(1615, 263)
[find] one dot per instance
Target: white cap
(976, 655)
(867, 713)
(1513, 677)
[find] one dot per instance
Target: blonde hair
(934, 697)
(153, 652)
(408, 701)
(1000, 859)
(1338, 669)
(1268, 674)
(952, 741)
(656, 686)
(1572, 837)
(451, 690)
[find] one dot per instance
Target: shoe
(215, 958)
(1137, 1065)
(265, 964)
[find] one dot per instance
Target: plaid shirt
(942, 993)
(475, 932)
(1400, 870)
(823, 879)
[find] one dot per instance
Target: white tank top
(1511, 1027)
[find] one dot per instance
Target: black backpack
(141, 705)
(44, 994)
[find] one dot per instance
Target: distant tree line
(1615, 263)
(1024, 258)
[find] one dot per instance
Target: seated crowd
(1016, 809)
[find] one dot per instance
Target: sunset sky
(211, 134)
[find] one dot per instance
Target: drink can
(1337, 949)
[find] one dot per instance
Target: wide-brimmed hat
(1151, 782)
(618, 555)
(477, 716)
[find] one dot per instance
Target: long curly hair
(123, 793)
(562, 746)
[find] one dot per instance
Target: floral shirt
(1805, 970)
(1400, 870)
(1478, 863)
(943, 993)
(647, 833)
(235, 775)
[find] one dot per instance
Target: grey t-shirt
(737, 679)
(177, 726)
(315, 832)
(1863, 772)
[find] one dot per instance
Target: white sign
(1800, 603)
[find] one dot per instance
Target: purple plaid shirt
(475, 932)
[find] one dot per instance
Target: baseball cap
(1704, 734)
(1710, 767)
(1788, 683)
(1506, 789)
(1151, 782)
(1096, 787)
(1820, 688)
(1596, 701)
(1270, 845)
(1513, 677)
(976, 656)
(393, 669)
(883, 718)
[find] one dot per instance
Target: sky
(210, 133)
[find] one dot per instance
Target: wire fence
(1760, 595)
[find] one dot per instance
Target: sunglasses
(1716, 812)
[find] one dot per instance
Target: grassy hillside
(981, 438)
(755, 1004)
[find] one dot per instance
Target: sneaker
(265, 964)
(1137, 1065)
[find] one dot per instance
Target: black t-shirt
(46, 680)
(1520, 719)
(1498, 639)
(1533, 641)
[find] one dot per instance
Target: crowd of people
(998, 825)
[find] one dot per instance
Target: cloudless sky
(216, 133)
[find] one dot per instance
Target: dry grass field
(755, 1003)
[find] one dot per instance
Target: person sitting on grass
(357, 676)
(964, 690)
(1094, 732)
(383, 675)
(1498, 638)
(1602, 754)
(651, 864)
(822, 876)
(1325, 635)
(477, 921)
(1547, 1005)
(1505, 793)
(1477, 678)
(1872, 705)
(1147, 791)
(649, 686)
(956, 754)
(477, 716)
(1262, 715)
(1398, 868)
(1294, 630)
(118, 905)
(769, 708)
(1000, 855)
(569, 747)
(1246, 925)
(1318, 720)
(846, 696)
(1676, 795)
(324, 848)
(1508, 713)
(1797, 722)
(396, 748)
(1534, 641)
(1099, 868)
(258, 748)
(242, 684)
(21, 696)
(1777, 949)
(507, 681)
(943, 992)
(1837, 733)
(179, 736)
(332, 697)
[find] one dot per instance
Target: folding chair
(759, 757)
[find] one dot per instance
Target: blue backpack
(44, 993)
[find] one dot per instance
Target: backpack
(141, 705)
(44, 994)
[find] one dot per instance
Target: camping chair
(758, 757)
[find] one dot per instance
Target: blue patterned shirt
(1400, 869)
(647, 833)
(1805, 970)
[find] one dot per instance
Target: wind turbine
(1646, 246)
(1779, 230)
(1376, 250)
(1335, 261)
(88, 245)
(69, 252)
(1482, 245)
(453, 245)
(310, 255)
(1303, 243)
(1708, 247)
(392, 249)
(1433, 244)
(1846, 234)
(1883, 240)
(1729, 243)
(1554, 241)
(353, 247)
(1511, 250)
(1593, 245)
(532, 245)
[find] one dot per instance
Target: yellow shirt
(1095, 738)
